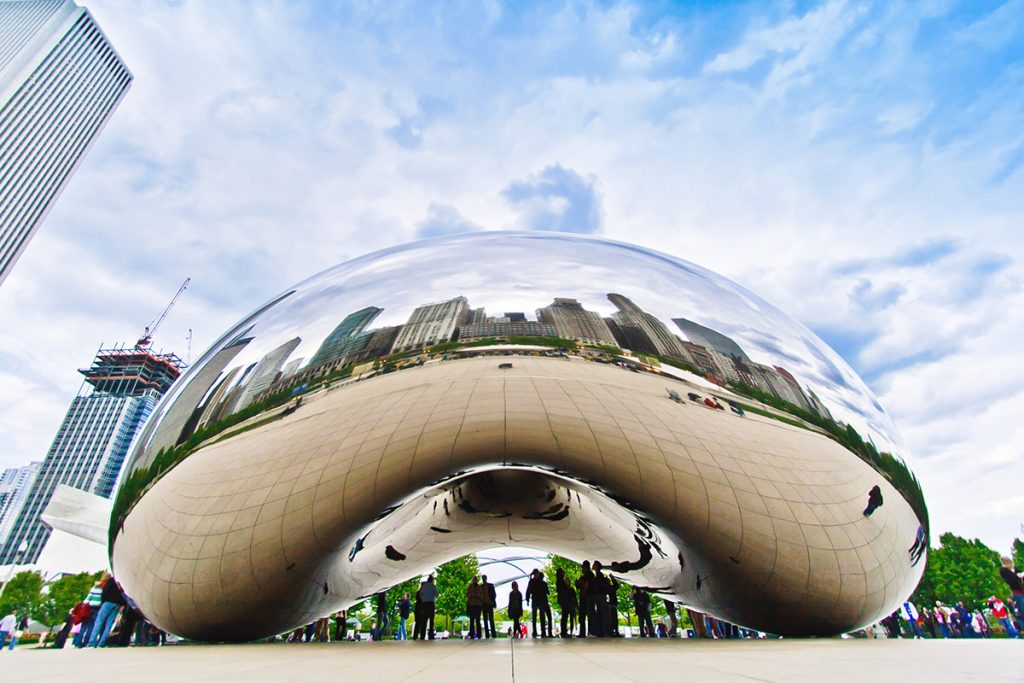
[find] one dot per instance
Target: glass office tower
(60, 80)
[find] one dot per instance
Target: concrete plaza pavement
(593, 661)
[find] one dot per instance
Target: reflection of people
(874, 500)
(515, 608)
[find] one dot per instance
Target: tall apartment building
(347, 336)
(432, 324)
(60, 80)
(93, 441)
(15, 484)
(646, 326)
(572, 321)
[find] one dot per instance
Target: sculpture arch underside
(751, 519)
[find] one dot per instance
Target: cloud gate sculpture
(587, 398)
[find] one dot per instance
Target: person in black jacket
(111, 602)
(566, 597)
(537, 591)
(515, 608)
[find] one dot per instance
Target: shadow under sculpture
(621, 405)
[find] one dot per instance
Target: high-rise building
(121, 388)
(265, 373)
(572, 321)
(346, 337)
(60, 80)
(15, 483)
(646, 325)
(712, 339)
(432, 324)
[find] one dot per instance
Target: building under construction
(121, 388)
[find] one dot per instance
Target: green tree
(1018, 554)
(23, 594)
(61, 596)
(960, 569)
(572, 570)
(452, 579)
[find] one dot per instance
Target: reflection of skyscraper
(172, 426)
(266, 372)
(94, 438)
(657, 334)
(15, 484)
(432, 324)
(572, 321)
(712, 339)
(218, 402)
(345, 337)
(60, 80)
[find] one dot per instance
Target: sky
(857, 164)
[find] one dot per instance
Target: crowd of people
(959, 621)
(588, 607)
(105, 617)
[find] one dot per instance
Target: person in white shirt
(909, 614)
(7, 625)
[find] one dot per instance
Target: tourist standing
(404, 606)
(474, 608)
(112, 600)
(909, 613)
(515, 608)
(612, 624)
(582, 584)
(428, 598)
(1011, 576)
(7, 626)
(642, 607)
(537, 592)
(491, 602)
(597, 592)
(93, 600)
(566, 603)
(1002, 616)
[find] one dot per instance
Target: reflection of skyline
(519, 271)
(705, 351)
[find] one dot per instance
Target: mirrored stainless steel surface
(589, 398)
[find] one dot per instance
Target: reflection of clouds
(504, 271)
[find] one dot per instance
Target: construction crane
(147, 337)
(188, 351)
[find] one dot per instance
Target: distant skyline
(856, 164)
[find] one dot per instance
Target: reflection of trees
(142, 478)
(886, 464)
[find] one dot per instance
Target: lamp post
(14, 563)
